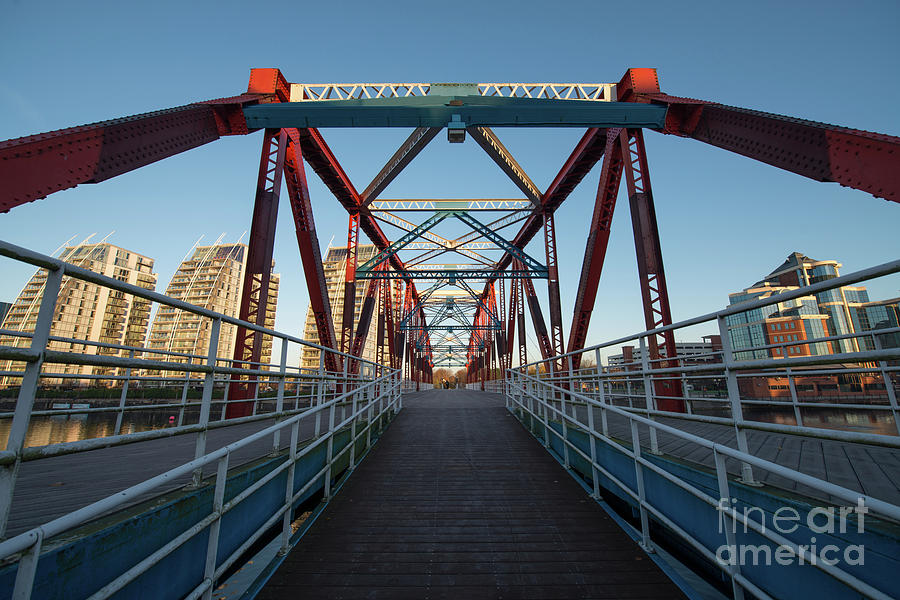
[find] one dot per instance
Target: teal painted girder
(499, 241)
(433, 111)
(391, 250)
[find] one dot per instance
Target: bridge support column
(597, 242)
(350, 282)
(556, 327)
(258, 270)
(654, 292)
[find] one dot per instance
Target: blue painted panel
(89, 558)
(881, 540)
(432, 112)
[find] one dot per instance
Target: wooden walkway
(52, 487)
(457, 500)
(872, 470)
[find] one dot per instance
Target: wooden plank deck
(872, 470)
(457, 500)
(52, 487)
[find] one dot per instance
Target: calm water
(71, 428)
(56, 429)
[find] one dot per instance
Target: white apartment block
(210, 277)
(85, 312)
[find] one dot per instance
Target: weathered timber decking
(872, 470)
(52, 487)
(457, 500)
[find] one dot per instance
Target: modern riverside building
(210, 277)
(689, 353)
(334, 263)
(85, 311)
(830, 313)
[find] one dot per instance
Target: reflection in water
(46, 430)
(866, 421)
(54, 430)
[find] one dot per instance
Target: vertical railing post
(27, 391)
(256, 379)
(544, 408)
(354, 417)
(289, 491)
(212, 545)
(374, 395)
(227, 387)
(601, 396)
(320, 393)
(888, 384)
(206, 400)
(27, 568)
(726, 508)
(734, 397)
(184, 397)
(794, 400)
(649, 399)
(639, 479)
(279, 398)
(329, 454)
(123, 397)
(592, 436)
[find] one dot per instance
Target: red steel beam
(520, 313)
(365, 320)
(581, 160)
(597, 242)
(556, 327)
(325, 164)
(537, 317)
(258, 269)
(850, 157)
(511, 320)
(350, 282)
(308, 242)
(36, 166)
(654, 291)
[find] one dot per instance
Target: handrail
(517, 391)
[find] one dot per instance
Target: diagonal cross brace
(497, 151)
(391, 250)
(414, 144)
(450, 246)
(502, 243)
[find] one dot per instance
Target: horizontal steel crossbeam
(317, 92)
(426, 112)
(452, 274)
(481, 204)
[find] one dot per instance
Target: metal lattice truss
(314, 92)
(450, 204)
(614, 116)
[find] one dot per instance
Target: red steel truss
(36, 166)
(258, 269)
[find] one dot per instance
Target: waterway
(45, 430)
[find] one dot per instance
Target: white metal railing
(370, 402)
(533, 397)
(716, 387)
(353, 398)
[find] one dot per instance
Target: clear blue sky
(725, 221)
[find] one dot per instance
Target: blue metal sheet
(472, 110)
